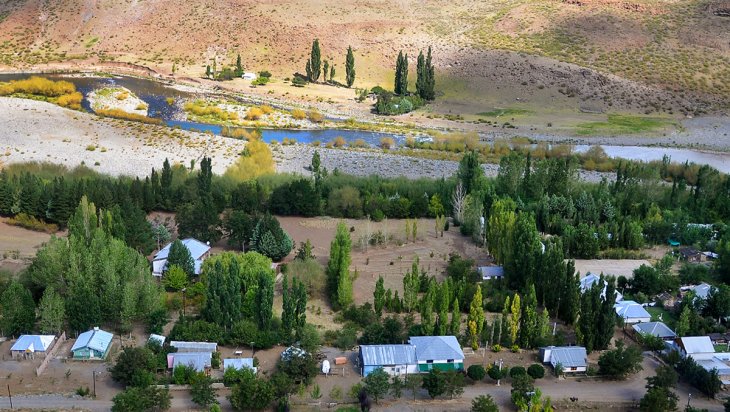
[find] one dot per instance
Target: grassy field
(624, 124)
(669, 318)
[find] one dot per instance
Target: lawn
(623, 124)
(669, 318)
(510, 111)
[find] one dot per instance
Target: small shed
(438, 352)
(249, 76)
(691, 254)
(27, 346)
(200, 361)
(157, 338)
(702, 291)
(491, 272)
(394, 359)
(239, 363)
(94, 344)
(182, 346)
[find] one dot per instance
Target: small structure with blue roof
(200, 361)
(239, 364)
(632, 312)
(198, 250)
(394, 359)
(438, 352)
(94, 344)
(571, 359)
(27, 346)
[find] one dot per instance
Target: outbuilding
(28, 346)
(396, 360)
(200, 361)
(182, 346)
(198, 250)
(656, 329)
(491, 272)
(571, 359)
(94, 344)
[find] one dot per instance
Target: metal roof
(702, 290)
(590, 279)
(157, 338)
(197, 360)
(95, 339)
(628, 309)
(238, 363)
(658, 329)
(194, 346)
(714, 363)
(488, 272)
(568, 356)
(375, 355)
(196, 248)
(436, 347)
(33, 343)
(697, 344)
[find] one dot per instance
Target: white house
(438, 352)
(701, 350)
(249, 76)
(591, 279)
(198, 250)
(632, 312)
(572, 359)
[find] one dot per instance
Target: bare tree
(458, 203)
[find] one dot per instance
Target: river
(155, 94)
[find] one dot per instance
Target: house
(198, 250)
(183, 347)
(702, 291)
(711, 255)
(200, 361)
(27, 346)
(93, 344)
(658, 329)
(438, 352)
(239, 363)
(690, 254)
(491, 272)
(632, 312)
(394, 359)
(719, 338)
(591, 279)
(157, 338)
(249, 76)
(572, 359)
(695, 346)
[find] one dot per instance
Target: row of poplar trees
(315, 68)
(425, 80)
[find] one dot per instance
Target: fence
(51, 353)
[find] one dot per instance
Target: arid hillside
(539, 50)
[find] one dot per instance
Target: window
(429, 361)
(449, 361)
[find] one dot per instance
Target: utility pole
(93, 374)
(10, 397)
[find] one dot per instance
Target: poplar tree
(401, 74)
(52, 311)
(455, 327)
(264, 302)
(239, 66)
(325, 70)
(476, 314)
(338, 268)
(427, 320)
(411, 286)
(287, 311)
(443, 309)
(528, 320)
(514, 322)
(421, 74)
(350, 67)
(315, 61)
(430, 78)
(379, 296)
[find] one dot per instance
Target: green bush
(536, 371)
(476, 372)
(517, 371)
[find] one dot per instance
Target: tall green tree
(379, 296)
(52, 311)
(421, 75)
(470, 171)
(251, 393)
(265, 302)
(146, 399)
(427, 319)
(377, 383)
(476, 315)
(338, 268)
(239, 66)
(315, 61)
(18, 310)
(401, 74)
(514, 320)
(350, 67)
(430, 78)
(524, 265)
(179, 255)
(455, 327)
(528, 319)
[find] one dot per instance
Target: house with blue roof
(396, 360)
(27, 346)
(631, 312)
(198, 250)
(438, 352)
(570, 359)
(94, 344)
(239, 364)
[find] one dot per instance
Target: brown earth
(487, 54)
(18, 246)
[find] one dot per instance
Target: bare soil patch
(18, 246)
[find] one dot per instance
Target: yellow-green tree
(514, 321)
(476, 315)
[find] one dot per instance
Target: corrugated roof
(33, 343)
(702, 290)
(388, 355)
(196, 248)
(491, 271)
(197, 360)
(238, 363)
(697, 344)
(628, 309)
(590, 279)
(194, 346)
(436, 347)
(658, 329)
(95, 339)
(714, 363)
(157, 338)
(568, 356)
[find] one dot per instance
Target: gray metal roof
(95, 339)
(238, 363)
(33, 343)
(375, 355)
(628, 309)
(568, 356)
(194, 346)
(196, 248)
(491, 271)
(697, 344)
(658, 329)
(197, 360)
(436, 348)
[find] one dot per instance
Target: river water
(155, 94)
